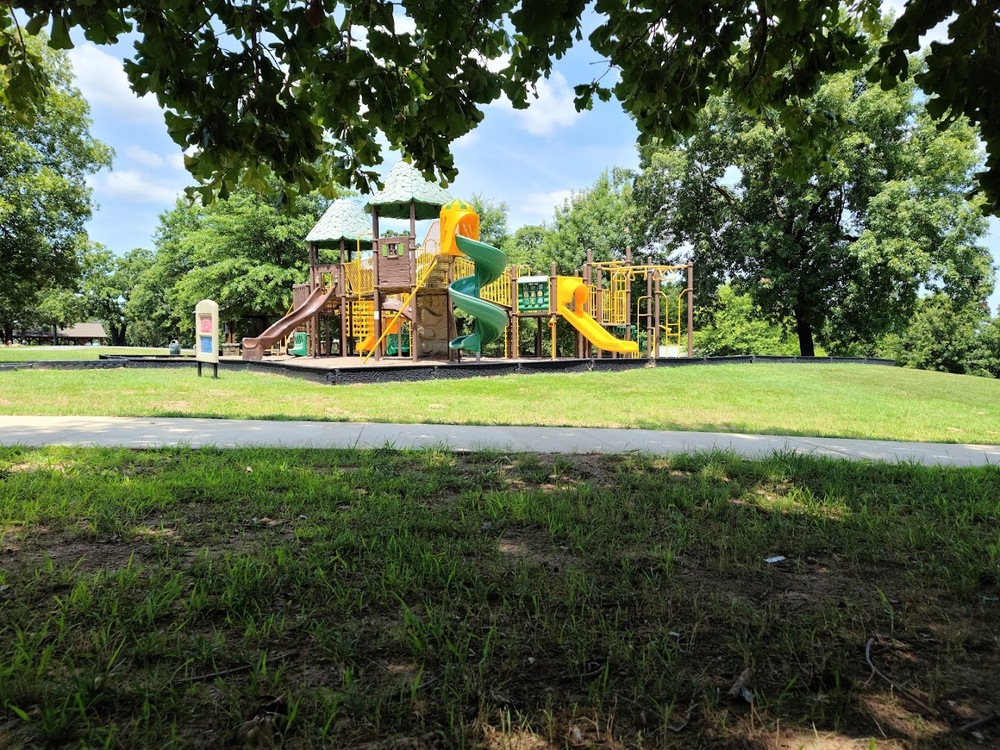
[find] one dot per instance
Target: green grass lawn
(384, 599)
(63, 353)
(823, 400)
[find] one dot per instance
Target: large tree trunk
(804, 329)
(117, 334)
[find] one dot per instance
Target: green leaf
(60, 33)
(37, 23)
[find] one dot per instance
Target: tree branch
(758, 44)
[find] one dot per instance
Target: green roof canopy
(343, 220)
(405, 185)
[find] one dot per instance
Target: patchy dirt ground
(499, 603)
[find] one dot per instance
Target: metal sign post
(206, 332)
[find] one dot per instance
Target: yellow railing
(463, 267)
(671, 330)
(402, 308)
(361, 318)
(359, 276)
(615, 304)
(497, 291)
(428, 252)
(352, 276)
(592, 306)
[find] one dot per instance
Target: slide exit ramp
(571, 299)
(491, 320)
(253, 348)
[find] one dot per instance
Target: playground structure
(390, 297)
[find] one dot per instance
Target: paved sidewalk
(151, 432)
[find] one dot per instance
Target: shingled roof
(83, 331)
(343, 220)
(405, 185)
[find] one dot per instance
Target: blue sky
(531, 159)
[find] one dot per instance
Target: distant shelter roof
(405, 185)
(84, 331)
(343, 220)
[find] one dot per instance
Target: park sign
(206, 334)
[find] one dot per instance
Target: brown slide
(253, 348)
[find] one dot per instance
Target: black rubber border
(413, 373)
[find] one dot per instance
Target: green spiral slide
(490, 319)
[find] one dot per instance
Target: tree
(492, 220)
(108, 282)
(44, 197)
(959, 75)
(738, 326)
(843, 250)
(599, 219)
(57, 307)
(985, 360)
(299, 89)
(948, 336)
(524, 247)
(242, 252)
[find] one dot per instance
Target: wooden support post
(649, 309)
(690, 296)
(553, 304)
(513, 350)
(599, 305)
(376, 295)
(628, 300)
(342, 283)
(411, 255)
(585, 348)
(313, 262)
(656, 317)
(453, 354)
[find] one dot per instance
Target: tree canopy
(242, 252)
(599, 219)
(843, 249)
(44, 196)
(107, 286)
(300, 88)
(948, 336)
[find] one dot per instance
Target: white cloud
(468, 140)
(134, 187)
(102, 80)
(552, 109)
(542, 205)
(144, 156)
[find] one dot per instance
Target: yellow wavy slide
(572, 291)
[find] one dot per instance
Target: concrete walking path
(154, 432)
